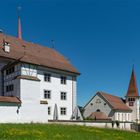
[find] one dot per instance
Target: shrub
(113, 123)
(118, 124)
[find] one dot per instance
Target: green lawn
(61, 132)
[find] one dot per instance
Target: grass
(61, 132)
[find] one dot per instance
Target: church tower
(132, 98)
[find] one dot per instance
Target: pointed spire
(19, 24)
(132, 88)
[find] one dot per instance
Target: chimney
(6, 47)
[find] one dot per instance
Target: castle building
(37, 83)
(104, 106)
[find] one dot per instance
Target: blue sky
(100, 37)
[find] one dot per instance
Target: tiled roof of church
(99, 116)
(35, 54)
(132, 88)
(7, 99)
(115, 102)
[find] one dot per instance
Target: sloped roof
(99, 116)
(7, 99)
(132, 88)
(35, 54)
(115, 102)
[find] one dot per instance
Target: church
(104, 106)
(37, 83)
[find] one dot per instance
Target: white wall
(123, 116)
(31, 92)
(135, 115)
(56, 87)
(31, 110)
(8, 114)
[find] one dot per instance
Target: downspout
(72, 96)
(2, 82)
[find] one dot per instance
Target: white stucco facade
(28, 85)
(55, 87)
(135, 115)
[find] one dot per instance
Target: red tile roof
(35, 54)
(99, 116)
(7, 99)
(115, 102)
(132, 88)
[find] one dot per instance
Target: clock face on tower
(131, 103)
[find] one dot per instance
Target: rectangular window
(63, 96)
(13, 69)
(47, 94)
(63, 110)
(63, 80)
(49, 110)
(7, 72)
(10, 70)
(9, 88)
(47, 77)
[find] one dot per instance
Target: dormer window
(6, 47)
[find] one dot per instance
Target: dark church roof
(132, 88)
(35, 54)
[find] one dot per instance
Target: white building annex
(37, 83)
(104, 106)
